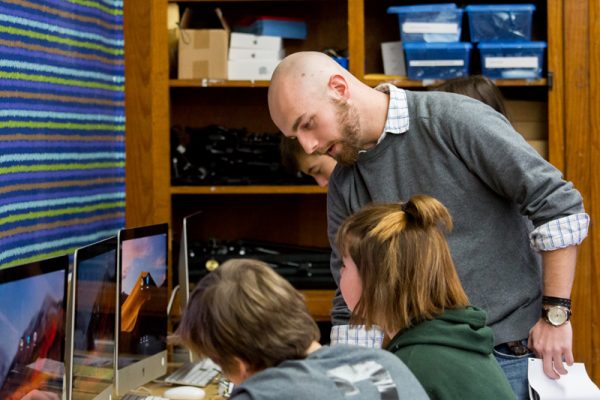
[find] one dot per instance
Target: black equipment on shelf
(303, 267)
(215, 155)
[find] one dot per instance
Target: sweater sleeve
(490, 147)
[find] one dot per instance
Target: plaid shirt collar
(397, 116)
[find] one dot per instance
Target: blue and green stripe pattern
(62, 126)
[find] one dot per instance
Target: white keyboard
(194, 374)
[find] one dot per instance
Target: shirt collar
(397, 115)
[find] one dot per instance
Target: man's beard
(350, 128)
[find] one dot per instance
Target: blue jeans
(515, 369)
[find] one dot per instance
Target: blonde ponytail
(427, 212)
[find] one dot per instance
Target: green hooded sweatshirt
(451, 356)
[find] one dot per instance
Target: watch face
(557, 315)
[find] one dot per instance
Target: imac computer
(33, 301)
(142, 297)
(184, 248)
(194, 372)
(91, 340)
(183, 264)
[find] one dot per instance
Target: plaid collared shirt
(357, 335)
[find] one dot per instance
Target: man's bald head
(305, 66)
(302, 75)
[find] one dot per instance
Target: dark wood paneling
(146, 112)
(578, 168)
(594, 187)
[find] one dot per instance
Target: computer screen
(183, 267)
(141, 306)
(92, 338)
(32, 327)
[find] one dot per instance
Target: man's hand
(552, 344)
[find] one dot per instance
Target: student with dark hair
(517, 221)
(294, 159)
(398, 274)
(255, 325)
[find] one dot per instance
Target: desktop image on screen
(92, 340)
(32, 328)
(142, 300)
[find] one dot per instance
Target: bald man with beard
(517, 221)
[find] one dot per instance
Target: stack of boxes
(208, 50)
(257, 47)
(503, 34)
(431, 39)
(253, 57)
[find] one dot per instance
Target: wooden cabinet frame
(573, 134)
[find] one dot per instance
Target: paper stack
(574, 385)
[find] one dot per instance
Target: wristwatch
(556, 315)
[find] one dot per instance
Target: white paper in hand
(574, 385)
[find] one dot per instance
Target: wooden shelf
(402, 81)
(250, 189)
(370, 79)
(196, 83)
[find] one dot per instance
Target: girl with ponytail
(398, 274)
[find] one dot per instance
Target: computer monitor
(91, 341)
(33, 300)
(183, 264)
(142, 299)
(184, 248)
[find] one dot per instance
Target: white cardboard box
(249, 41)
(252, 54)
(254, 70)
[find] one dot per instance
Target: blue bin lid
(500, 7)
(511, 45)
(421, 8)
(437, 45)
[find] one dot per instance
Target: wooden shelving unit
(572, 116)
(161, 101)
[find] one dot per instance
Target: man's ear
(339, 85)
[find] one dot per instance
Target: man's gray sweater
(495, 186)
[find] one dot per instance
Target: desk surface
(158, 389)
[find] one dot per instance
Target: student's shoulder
(267, 384)
(359, 354)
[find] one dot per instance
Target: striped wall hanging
(62, 126)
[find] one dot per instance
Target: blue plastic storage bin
(506, 22)
(437, 60)
(512, 60)
(287, 28)
(429, 23)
